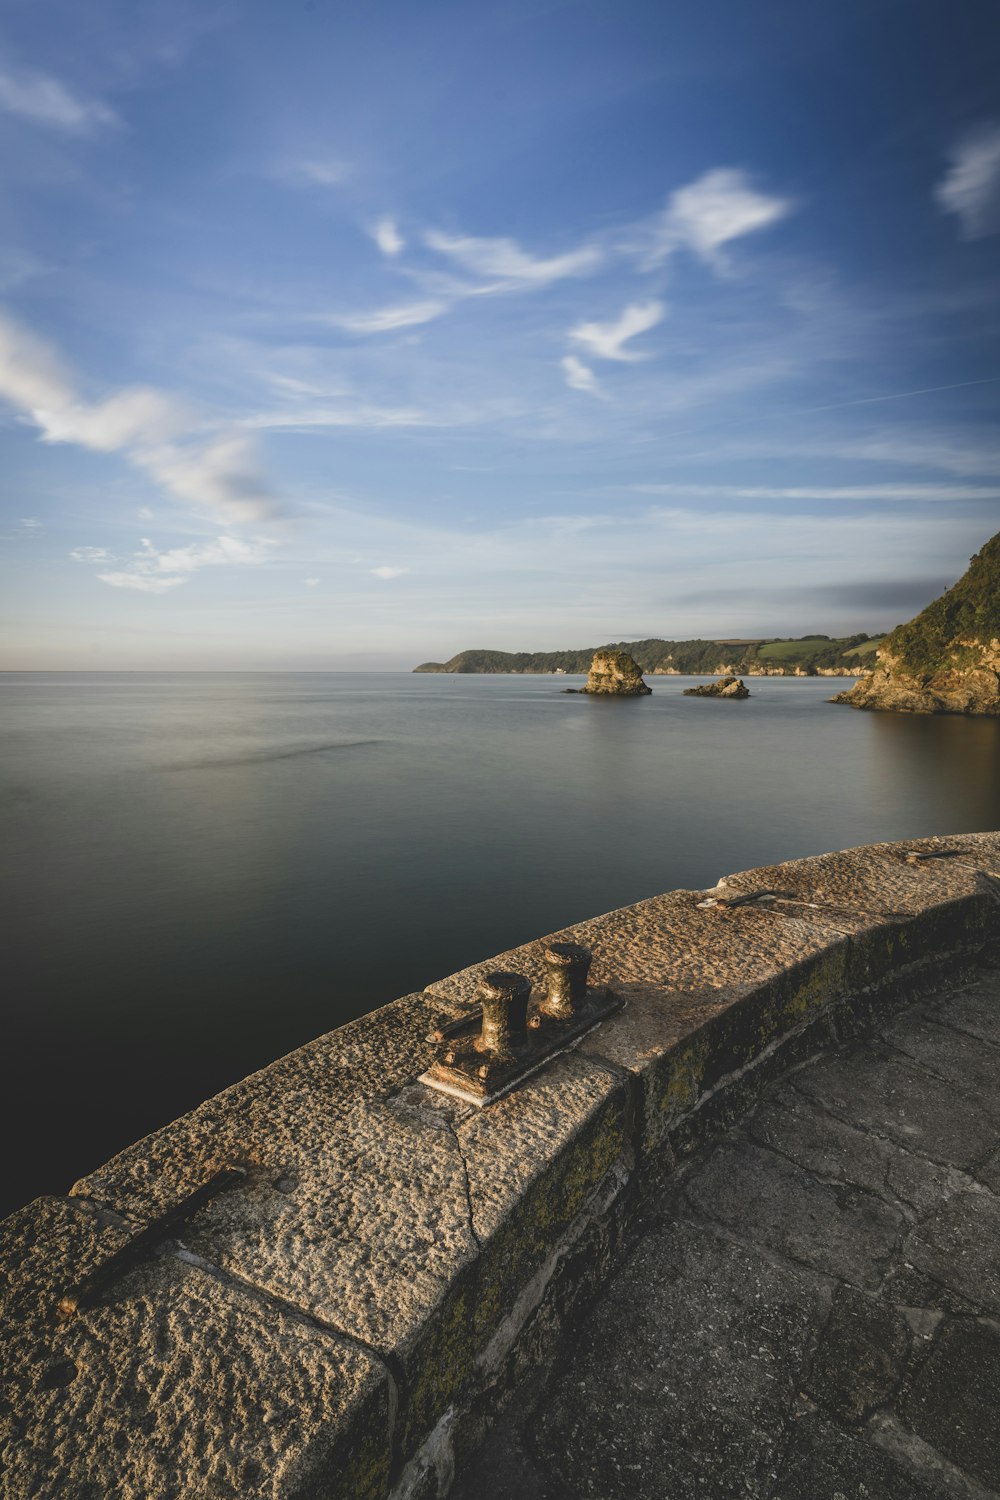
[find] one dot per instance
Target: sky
(352, 336)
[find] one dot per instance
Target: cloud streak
(504, 259)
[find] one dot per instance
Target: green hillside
(945, 634)
(690, 658)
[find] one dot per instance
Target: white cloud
(144, 583)
(385, 572)
(387, 237)
(311, 583)
(220, 476)
(30, 523)
(91, 555)
(384, 319)
(607, 340)
(704, 215)
(505, 258)
(151, 571)
(579, 376)
(46, 101)
(147, 425)
(144, 513)
(971, 187)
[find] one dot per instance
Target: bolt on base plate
(469, 1068)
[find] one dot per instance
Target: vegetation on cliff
(946, 659)
(808, 654)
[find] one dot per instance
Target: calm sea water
(203, 871)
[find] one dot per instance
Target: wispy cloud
(861, 492)
(608, 340)
(385, 319)
(703, 216)
(579, 377)
(388, 572)
(505, 259)
(150, 427)
(314, 171)
(46, 101)
(150, 571)
(387, 237)
(971, 187)
(93, 555)
(30, 523)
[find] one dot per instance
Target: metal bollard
(566, 967)
(505, 1013)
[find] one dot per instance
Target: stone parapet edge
(551, 1196)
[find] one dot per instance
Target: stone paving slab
(178, 1385)
(811, 1310)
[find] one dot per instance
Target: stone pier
(738, 1236)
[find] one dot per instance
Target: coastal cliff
(947, 659)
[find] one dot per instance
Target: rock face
(947, 659)
(726, 687)
(615, 674)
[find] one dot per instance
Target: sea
(202, 871)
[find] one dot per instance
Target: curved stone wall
(344, 1313)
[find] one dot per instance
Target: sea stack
(723, 687)
(947, 659)
(615, 674)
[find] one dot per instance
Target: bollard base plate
(467, 1070)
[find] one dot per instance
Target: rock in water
(615, 674)
(724, 687)
(947, 659)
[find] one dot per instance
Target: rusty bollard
(566, 968)
(505, 1013)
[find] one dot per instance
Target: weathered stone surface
(615, 674)
(375, 1218)
(975, 1012)
(839, 1231)
(861, 1356)
(824, 1463)
(876, 1089)
(174, 1384)
(685, 1376)
(759, 1342)
(958, 1246)
(952, 1403)
(952, 1055)
(723, 687)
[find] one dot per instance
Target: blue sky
(355, 335)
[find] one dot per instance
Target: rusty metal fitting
(566, 968)
(505, 1012)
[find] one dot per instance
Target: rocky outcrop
(725, 687)
(615, 674)
(971, 686)
(947, 659)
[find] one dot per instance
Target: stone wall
(344, 1317)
